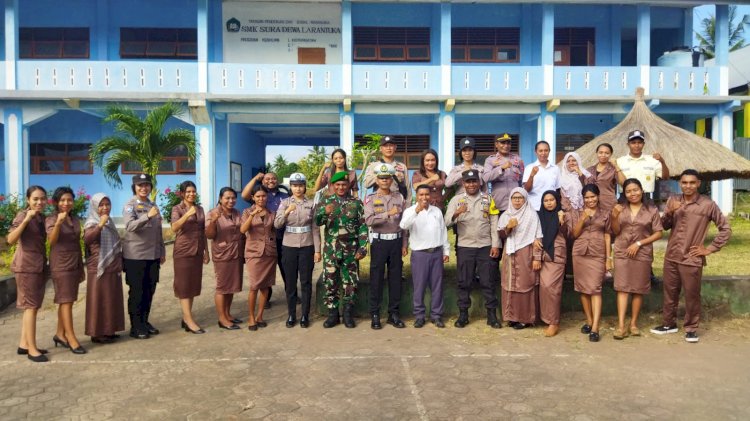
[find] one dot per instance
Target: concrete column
(445, 49)
(446, 138)
(202, 46)
(11, 43)
(721, 132)
(205, 171)
(643, 55)
(615, 39)
(346, 128)
(548, 47)
(346, 46)
(722, 47)
(16, 161)
(547, 130)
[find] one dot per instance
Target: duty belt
(378, 236)
(430, 250)
(298, 230)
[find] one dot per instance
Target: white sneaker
(663, 330)
(691, 337)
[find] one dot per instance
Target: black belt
(430, 250)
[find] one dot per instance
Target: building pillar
(346, 128)
(16, 158)
(202, 32)
(547, 130)
(445, 49)
(11, 43)
(205, 162)
(722, 47)
(643, 39)
(548, 47)
(446, 138)
(346, 47)
(721, 132)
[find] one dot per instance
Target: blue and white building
(254, 74)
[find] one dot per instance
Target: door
(311, 55)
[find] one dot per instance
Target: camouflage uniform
(345, 235)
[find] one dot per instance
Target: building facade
(254, 74)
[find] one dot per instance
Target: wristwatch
(638, 243)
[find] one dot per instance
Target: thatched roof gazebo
(680, 148)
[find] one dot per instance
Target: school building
(253, 74)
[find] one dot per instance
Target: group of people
(513, 223)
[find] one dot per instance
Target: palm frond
(177, 138)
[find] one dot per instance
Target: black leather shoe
(594, 337)
(438, 322)
(375, 322)
(463, 318)
(80, 350)
(349, 316)
(419, 323)
(291, 321)
(333, 318)
(395, 321)
(304, 322)
(151, 329)
(261, 323)
(230, 327)
(236, 321)
(24, 351)
(139, 334)
(41, 358)
(60, 342)
(586, 329)
(492, 319)
(519, 326)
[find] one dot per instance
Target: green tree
(140, 140)
(707, 37)
(282, 168)
(364, 153)
(311, 164)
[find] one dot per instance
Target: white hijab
(570, 184)
(109, 243)
(528, 229)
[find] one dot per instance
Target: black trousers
(298, 261)
(141, 277)
(382, 253)
(477, 261)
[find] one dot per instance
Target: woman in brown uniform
(27, 230)
(591, 257)
(105, 313)
(636, 226)
(223, 227)
(336, 164)
(190, 253)
(554, 250)
(66, 265)
(260, 254)
(519, 227)
(604, 175)
(430, 175)
(572, 177)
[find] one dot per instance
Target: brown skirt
(550, 291)
(30, 289)
(66, 285)
(519, 306)
(228, 276)
(261, 272)
(632, 276)
(105, 314)
(588, 274)
(188, 276)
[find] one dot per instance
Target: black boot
(333, 318)
(375, 322)
(150, 328)
(136, 329)
(463, 318)
(348, 317)
(492, 319)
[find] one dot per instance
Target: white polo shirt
(547, 178)
(645, 169)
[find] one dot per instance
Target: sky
(295, 153)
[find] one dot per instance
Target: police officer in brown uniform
(383, 211)
(143, 254)
(477, 246)
(388, 152)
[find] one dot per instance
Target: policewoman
(143, 254)
(383, 211)
(300, 248)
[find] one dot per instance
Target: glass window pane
(414, 161)
(131, 166)
(479, 53)
(364, 52)
(24, 49)
(168, 165)
(47, 165)
(137, 49)
(422, 52)
(50, 149)
(187, 49)
(79, 165)
(47, 49)
(507, 54)
(161, 48)
(458, 54)
(76, 49)
(187, 166)
(78, 149)
(392, 53)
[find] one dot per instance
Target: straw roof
(680, 148)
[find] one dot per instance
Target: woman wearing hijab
(572, 177)
(519, 226)
(553, 248)
(105, 313)
(604, 175)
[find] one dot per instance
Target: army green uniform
(345, 235)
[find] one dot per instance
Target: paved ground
(279, 373)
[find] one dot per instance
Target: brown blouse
(261, 237)
(92, 238)
(226, 245)
(606, 180)
(30, 253)
(437, 188)
(190, 240)
(591, 241)
(353, 187)
(646, 222)
(65, 255)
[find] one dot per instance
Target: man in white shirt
(428, 240)
(645, 168)
(541, 175)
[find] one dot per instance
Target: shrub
(170, 198)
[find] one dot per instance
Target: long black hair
(422, 169)
(60, 192)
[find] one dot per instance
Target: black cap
(470, 175)
(386, 139)
(636, 134)
(141, 179)
(467, 142)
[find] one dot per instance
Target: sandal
(620, 334)
(634, 331)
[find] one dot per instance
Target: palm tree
(140, 140)
(707, 38)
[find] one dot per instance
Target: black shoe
(230, 327)
(304, 322)
(195, 332)
(492, 319)
(419, 323)
(41, 358)
(102, 339)
(333, 318)
(594, 337)
(261, 323)
(512, 324)
(586, 329)
(375, 322)
(438, 322)
(463, 318)
(60, 342)
(24, 351)
(349, 317)
(691, 337)
(151, 329)
(519, 326)
(139, 334)
(252, 327)
(291, 321)
(395, 321)
(80, 350)
(663, 330)
(236, 321)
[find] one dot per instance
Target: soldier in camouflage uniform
(345, 243)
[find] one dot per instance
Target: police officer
(477, 246)
(383, 211)
(345, 242)
(143, 254)
(388, 156)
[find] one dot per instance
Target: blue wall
(247, 149)
(2, 158)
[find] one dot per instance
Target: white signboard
(273, 33)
